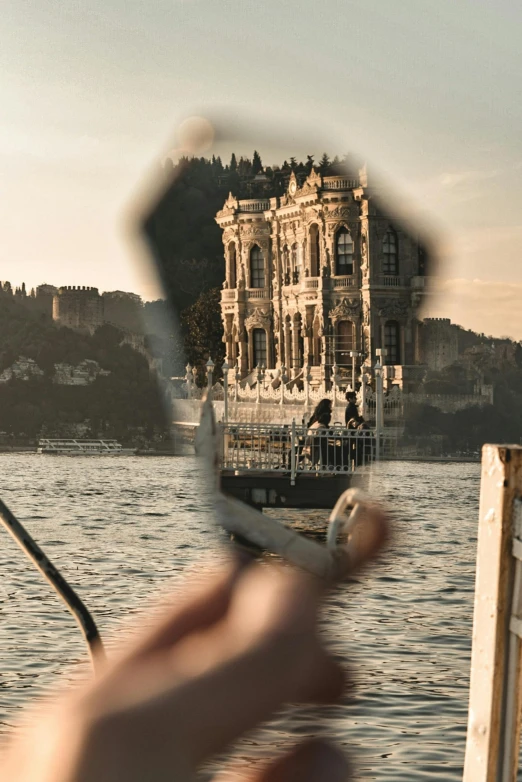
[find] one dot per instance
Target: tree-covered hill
(125, 403)
(181, 227)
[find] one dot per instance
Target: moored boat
(74, 447)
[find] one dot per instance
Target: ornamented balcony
(340, 283)
(254, 205)
(257, 293)
(228, 294)
(310, 283)
(339, 183)
(391, 281)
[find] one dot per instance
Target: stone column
(295, 346)
(288, 346)
(324, 358)
(243, 349)
(251, 366)
(270, 349)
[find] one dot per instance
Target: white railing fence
(272, 387)
(295, 450)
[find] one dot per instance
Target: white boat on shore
(73, 447)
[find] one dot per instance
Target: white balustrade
(310, 283)
(344, 282)
(340, 183)
(253, 205)
(391, 281)
(257, 293)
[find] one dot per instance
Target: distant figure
(322, 414)
(352, 411)
(317, 446)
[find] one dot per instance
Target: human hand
(235, 650)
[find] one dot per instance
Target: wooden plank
(501, 483)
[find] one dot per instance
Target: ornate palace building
(317, 274)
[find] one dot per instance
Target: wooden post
(494, 703)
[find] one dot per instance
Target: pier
(289, 466)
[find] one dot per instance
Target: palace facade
(317, 275)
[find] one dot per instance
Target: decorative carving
(346, 309)
(366, 341)
(229, 234)
(319, 321)
(255, 231)
(392, 308)
(338, 213)
(231, 206)
(364, 252)
(307, 189)
(312, 183)
(258, 319)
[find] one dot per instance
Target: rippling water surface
(121, 529)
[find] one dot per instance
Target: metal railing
(296, 450)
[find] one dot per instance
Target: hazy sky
(428, 91)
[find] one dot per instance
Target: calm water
(122, 529)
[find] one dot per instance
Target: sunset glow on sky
(428, 92)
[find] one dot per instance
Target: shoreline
(150, 453)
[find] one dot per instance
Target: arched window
(344, 343)
(295, 265)
(390, 262)
(232, 275)
(257, 268)
(287, 272)
(259, 345)
(343, 253)
(314, 251)
(392, 333)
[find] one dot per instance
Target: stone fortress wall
(78, 307)
(439, 343)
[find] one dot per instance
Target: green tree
(257, 165)
(324, 164)
(203, 332)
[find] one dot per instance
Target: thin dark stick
(58, 582)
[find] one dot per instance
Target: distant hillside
(126, 403)
(483, 360)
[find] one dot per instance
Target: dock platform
(277, 490)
